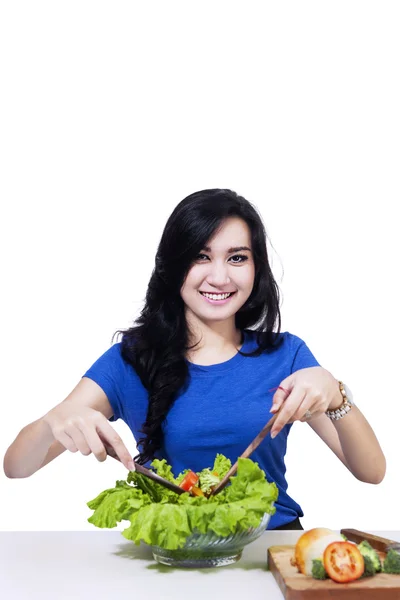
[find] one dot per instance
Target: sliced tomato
(189, 481)
(343, 562)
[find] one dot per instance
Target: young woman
(196, 374)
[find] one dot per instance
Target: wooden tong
(254, 444)
(147, 472)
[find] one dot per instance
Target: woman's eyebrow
(235, 249)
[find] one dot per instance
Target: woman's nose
(218, 274)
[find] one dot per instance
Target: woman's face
(225, 265)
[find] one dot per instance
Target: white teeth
(216, 296)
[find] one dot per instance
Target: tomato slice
(343, 562)
(189, 481)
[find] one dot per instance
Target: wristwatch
(345, 407)
(348, 393)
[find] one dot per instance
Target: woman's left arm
(351, 438)
(354, 443)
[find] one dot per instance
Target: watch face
(348, 394)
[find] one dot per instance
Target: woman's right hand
(78, 423)
(84, 429)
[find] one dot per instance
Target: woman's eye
(242, 258)
(239, 258)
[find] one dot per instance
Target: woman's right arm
(79, 423)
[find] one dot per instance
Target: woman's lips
(224, 301)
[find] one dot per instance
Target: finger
(302, 412)
(281, 394)
(306, 419)
(79, 439)
(114, 440)
(312, 402)
(288, 410)
(65, 440)
(279, 398)
(95, 442)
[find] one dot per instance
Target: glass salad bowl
(209, 549)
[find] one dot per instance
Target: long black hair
(156, 345)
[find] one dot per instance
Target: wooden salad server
(148, 473)
(254, 444)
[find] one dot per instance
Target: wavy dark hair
(156, 345)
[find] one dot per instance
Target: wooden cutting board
(296, 586)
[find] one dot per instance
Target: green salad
(160, 517)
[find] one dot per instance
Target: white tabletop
(103, 565)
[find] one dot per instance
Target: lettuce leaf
(208, 478)
(250, 482)
(160, 517)
(221, 465)
(164, 525)
(164, 470)
(155, 491)
(116, 504)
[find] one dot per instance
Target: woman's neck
(213, 339)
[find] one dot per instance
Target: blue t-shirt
(224, 407)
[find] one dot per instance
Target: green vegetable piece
(318, 569)
(250, 482)
(369, 567)
(164, 525)
(163, 470)
(221, 465)
(368, 551)
(344, 537)
(391, 564)
(117, 504)
(207, 480)
(155, 491)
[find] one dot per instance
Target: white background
(111, 113)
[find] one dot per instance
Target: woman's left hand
(306, 394)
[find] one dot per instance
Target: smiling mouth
(217, 296)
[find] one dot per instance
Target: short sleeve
(303, 357)
(109, 372)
